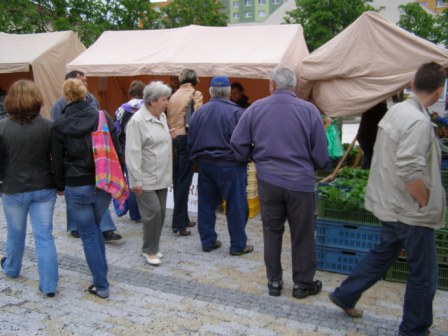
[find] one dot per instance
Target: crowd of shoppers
(40, 159)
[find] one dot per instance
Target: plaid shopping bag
(108, 173)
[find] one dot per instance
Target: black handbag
(190, 110)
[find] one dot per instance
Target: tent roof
(19, 51)
(236, 51)
(365, 64)
(45, 54)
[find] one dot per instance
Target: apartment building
(436, 6)
(246, 11)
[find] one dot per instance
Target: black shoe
(275, 288)
(2, 261)
(75, 234)
(300, 292)
(111, 235)
(51, 294)
(182, 232)
(215, 246)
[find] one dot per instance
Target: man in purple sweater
(285, 137)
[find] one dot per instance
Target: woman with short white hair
(149, 163)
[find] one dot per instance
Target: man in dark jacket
(220, 173)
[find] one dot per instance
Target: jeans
(107, 223)
(134, 213)
(278, 205)
(182, 177)
(88, 204)
(40, 206)
(419, 243)
(230, 183)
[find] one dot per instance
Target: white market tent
(239, 52)
(41, 57)
(365, 64)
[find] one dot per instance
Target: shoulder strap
(102, 123)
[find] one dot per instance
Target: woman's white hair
(154, 90)
(284, 77)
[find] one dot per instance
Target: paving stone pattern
(191, 293)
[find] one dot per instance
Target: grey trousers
(278, 205)
(152, 208)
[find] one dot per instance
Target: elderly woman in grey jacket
(149, 163)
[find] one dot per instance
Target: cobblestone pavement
(191, 293)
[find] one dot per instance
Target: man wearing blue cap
(220, 174)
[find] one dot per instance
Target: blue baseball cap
(220, 81)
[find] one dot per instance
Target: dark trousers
(183, 170)
(278, 205)
(230, 183)
(419, 243)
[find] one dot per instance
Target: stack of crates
(399, 270)
(343, 238)
(251, 192)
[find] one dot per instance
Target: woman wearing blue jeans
(28, 186)
(74, 168)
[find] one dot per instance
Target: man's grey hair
(154, 90)
(223, 92)
(284, 77)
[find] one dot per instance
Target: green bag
(335, 149)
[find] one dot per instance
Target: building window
(248, 14)
(440, 3)
(236, 4)
(248, 2)
(276, 2)
(262, 13)
(236, 16)
(262, 2)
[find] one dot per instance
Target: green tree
(19, 16)
(88, 18)
(132, 14)
(322, 20)
(181, 13)
(442, 23)
(416, 20)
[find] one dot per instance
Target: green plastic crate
(326, 209)
(445, 184)
(399, 271)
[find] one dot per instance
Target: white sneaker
(159, 255)
(152, 260)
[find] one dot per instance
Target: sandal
(104, 294)
(247, 249)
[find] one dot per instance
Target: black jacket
(25, 155)
(71, 145)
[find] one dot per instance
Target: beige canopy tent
(365, 64)
(40, 57)
(246, 53)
